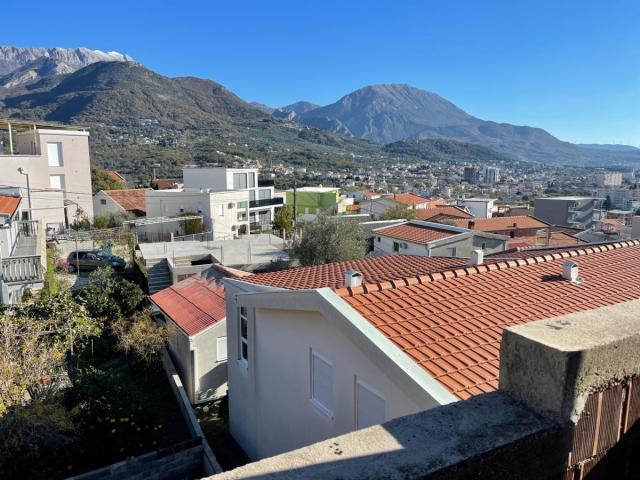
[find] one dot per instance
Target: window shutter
(221, 349)
(322, 383)
(370, 407)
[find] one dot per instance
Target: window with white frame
(370, 406)
(56, 181)
(54, 154)
(451, 252)
(243, 348)
(221, 349)
(221, 210)
(322, 383)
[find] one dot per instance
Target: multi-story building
(619, 197)
(576, 212)
(479, 207)
(48, 165)
(491, 175)
(471, 175)
(609, 179)
(262, 200)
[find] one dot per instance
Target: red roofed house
(429, 239)
(441, 213)
(194, 311)
(130, 200)
(383, 204)
(320, 351)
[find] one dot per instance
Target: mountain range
(25, 66)
(392, 112)
(140, 117)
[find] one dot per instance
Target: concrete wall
(313, 202)
(479, 209)
(270, 407)
(103, 203)
(463, 244)
(211, 374)
(173, 203)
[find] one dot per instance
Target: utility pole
(295, 209)
(26, 174)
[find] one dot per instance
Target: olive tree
(329, 240)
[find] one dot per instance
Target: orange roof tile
(441, 212)
(374, 271)
(197, 302)
(9, 204)
(131, 199)
(115, 176)
(498, 224)
(410, 199)
(414, 233)
(452, 325)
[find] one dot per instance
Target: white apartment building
(55, 159)
(609, 179)
(224, 213)
(262, 200)
(480, 207)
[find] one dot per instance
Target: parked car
(93, 259)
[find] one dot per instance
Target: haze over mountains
(79, 86)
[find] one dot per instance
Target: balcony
(265, 183)
(27, 262)
(268, 202)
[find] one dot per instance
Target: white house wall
(211, 374)
(269, 402)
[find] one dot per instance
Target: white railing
(22, 269)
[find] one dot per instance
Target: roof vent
(352, 278)
(477, 258)
(570, 271)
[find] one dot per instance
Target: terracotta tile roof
(410, 199)
(166, 183)
(539, 251)
(498, 224)
(197, 302)
(374, 271)
(131, 199)
(9, 204)
(115, 176)
(411, 232)
(353, 208)
(451, 323)
(555, 239)
(441, 212)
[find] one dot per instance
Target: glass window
(322, 384)
(244, 335)
(239, 181)
(221, 210)
(396, 247)
(54, 154)
(103, 201)
(252, 180)
(252, 195)
(265, 194)
(56, 181)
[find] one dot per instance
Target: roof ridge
(481, 268)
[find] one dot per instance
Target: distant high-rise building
(609, 179)
(471, 175)
(491, 175)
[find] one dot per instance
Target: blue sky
(570, 67)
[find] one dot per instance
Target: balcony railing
(26, 264)
(265, 183)
(268, 202)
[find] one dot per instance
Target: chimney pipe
(477, 258)
(570, 271)
(352, 278)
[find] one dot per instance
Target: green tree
(101, 180)
(283, 219)
(108, 297)
(399, 212)
(111, 219)
(51, 285)
(193, 226)
(607, 204)
(329, 240)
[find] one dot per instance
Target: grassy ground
(214, 419)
